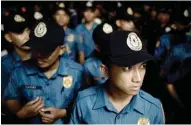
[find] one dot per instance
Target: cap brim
(130, 60)
(40, 46)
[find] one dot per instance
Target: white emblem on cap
(38, 15)
(119, 4)
(167, 29)
(89, 4)
(107, 28)
(97, 20)
(129, 11)
(134, 42)
(40, 30)
(19, 18)
(186, 13)
(61, 5)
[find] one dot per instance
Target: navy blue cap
(62, 6)
(15, 23)
(45, 37)
(127, 49)
(101, 36)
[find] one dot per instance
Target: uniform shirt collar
(103, 101)
(16, 57)
(139, 103)
(93, 26)
(62, 69)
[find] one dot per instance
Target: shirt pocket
(31, 92)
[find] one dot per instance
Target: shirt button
(118, 117)
(47, 98)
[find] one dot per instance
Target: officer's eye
(143, 66)
(125, 69)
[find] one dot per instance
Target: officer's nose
(136, 76)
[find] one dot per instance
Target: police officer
(17, 33)
(120, 100)
(92, 65)
(85, 30)
(125, 19)
(74, 46)
(44, 92)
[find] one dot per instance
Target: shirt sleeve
(4, 80)
(12, 89)
(76, 115)
(160, 118)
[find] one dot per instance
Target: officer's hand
(52, 115)
(31, 108)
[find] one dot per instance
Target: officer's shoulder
(79, 26)
(91, 59)
(6, 58)
(74, 65)
(150, 99)
(87, 92)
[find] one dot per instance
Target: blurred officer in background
(125, 19)
(92, 65)
(120, 100)
(17, 33)
(85, 30)
(42, 90)
(74, 47)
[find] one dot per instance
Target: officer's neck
(89, 25)
(118, 98)
(23, 54)
(51, 70)
(65, 27)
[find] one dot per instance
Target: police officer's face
(61, 18)
(45, 60)
(128, 79)
(19, 39)
(89, 15)
(127, 25)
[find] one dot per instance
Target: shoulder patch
(87, 92)
(150, 99)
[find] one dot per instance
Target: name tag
(31, 87)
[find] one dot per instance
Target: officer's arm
(160, 118)
(76, 115)
(13, 105)
(81, 57)
(173, 93)
(11, 95)
(80, 49)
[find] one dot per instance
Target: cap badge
(61, 5)
(143, 121)
(19, 18)
(67, 81)
(89, 4)
(38, 15)
(107, 28)
(40, 30)
(134, 42)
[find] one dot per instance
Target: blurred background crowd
(164, 26)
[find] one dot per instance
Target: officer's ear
(118, 23)
(104, 70)
(62, 49)
(8, 37)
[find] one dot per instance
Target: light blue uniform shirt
(28, 82)
(73, 43)
(92, 68)
(94, 107)
(86, 37)
(8, 64)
